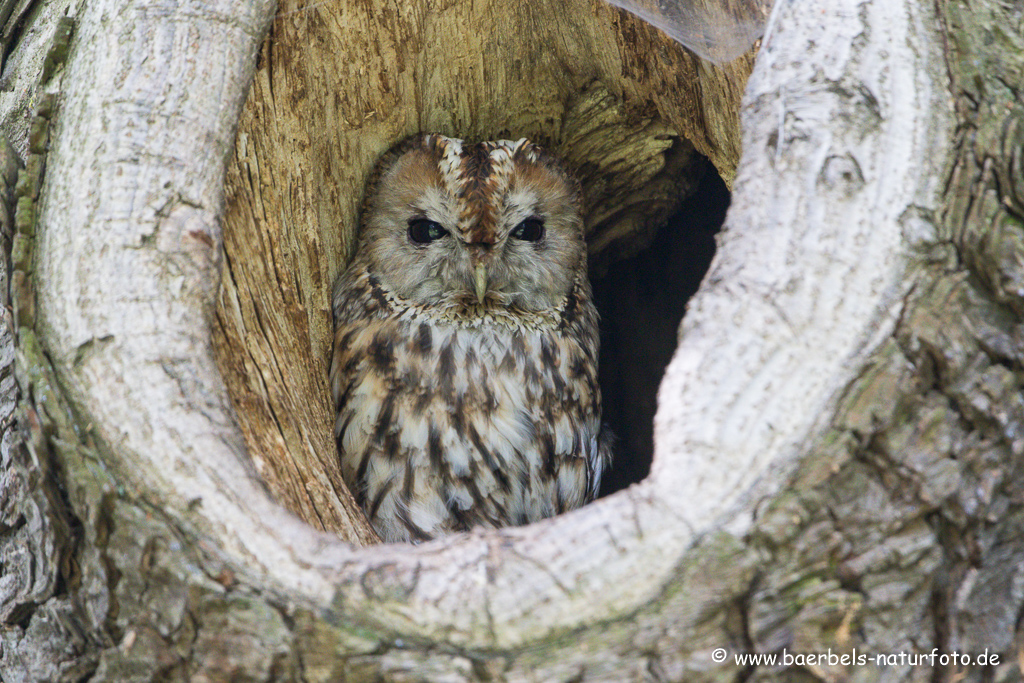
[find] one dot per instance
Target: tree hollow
(582, 83)
(807, 279)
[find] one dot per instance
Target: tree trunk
(839, 432)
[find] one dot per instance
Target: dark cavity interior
(641, 301)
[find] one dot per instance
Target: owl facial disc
(475, 226)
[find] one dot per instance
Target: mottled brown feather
(455, 412)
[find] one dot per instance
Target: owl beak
(480, 281)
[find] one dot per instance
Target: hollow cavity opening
(641, 301)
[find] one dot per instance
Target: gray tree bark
(838, 440)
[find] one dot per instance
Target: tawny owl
(465, 347)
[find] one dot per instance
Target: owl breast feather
(443, 426)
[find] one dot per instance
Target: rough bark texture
(137, 544)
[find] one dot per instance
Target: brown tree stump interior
(644, 122)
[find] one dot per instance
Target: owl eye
(425, 231)
(530, 230)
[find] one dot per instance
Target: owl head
(490, 224)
